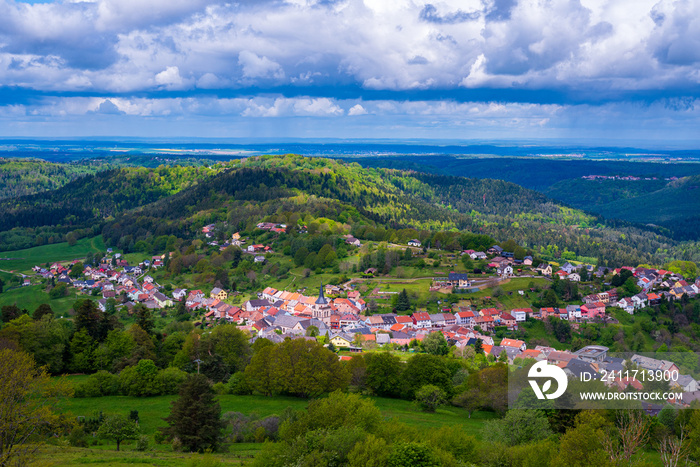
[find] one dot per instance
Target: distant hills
(672, 205)
(130, 204)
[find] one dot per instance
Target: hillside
(257, 187)
(138, 203)
(21, 177)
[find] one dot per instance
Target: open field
(24, 260)
(153, 409)
(57, 456)
(31, 297)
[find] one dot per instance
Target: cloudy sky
(460, 69)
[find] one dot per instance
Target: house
(514, 343)
(508, 320)
(574, 312)
(353, 241)
(592, 353)
(527, 261)
(162, 300)
(342, 339)
(259, 259)
(179, 294)
(254, 305)
(574, 277)
(421, 320)
(545, 269)
(459, 280)
(414, 242)
(520, 314)
(505, 271)
(478, 255)
(218, 294)
(437, 319)
(495, 250)
(686, 383)
(465, 318)
(653, 364)
(627, 305)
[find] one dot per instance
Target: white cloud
(259, 67)
(357, 109)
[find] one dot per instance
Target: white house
(519, 316)
(574, 277)
(414, 242)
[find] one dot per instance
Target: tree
(42, 310)
(430, 397)
(26, 405)
(403, 302)
(518, 427)
(88, 316)
(144, 318)
(479, 347)
(10, 312)
(77, 270)
(425, 369)
(195, 416)
(383, 374)
(435, 344)
(82, 348)
(118, 428)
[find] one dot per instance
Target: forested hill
(20, 177)
(280, 187)
(135, 204)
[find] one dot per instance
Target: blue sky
(468, 69)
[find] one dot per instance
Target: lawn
(24, 260)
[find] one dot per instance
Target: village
(339, 314)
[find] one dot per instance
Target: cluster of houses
(112, 278)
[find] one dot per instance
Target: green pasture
(31, 297)
(24, 260)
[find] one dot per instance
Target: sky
(592, 70)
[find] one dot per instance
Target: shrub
(99, 384)
(237, 385)
(140, 380)
(170, 379)
(78, 438)
(142, 443)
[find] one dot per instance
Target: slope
(248, 191)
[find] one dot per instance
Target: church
(322, 308)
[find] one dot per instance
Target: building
(414, 242)
(218, 294)
(322, 308)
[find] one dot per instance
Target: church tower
(322, 308)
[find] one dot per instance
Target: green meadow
(24, 260)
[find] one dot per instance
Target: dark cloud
(418, 60)
(430, 14)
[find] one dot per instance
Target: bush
(176, 444)
(220, 389)
(430, 397)
(237, 385)
(140, 380)
(142, 443)
(170, 379)
(78, 438)
(99, 384)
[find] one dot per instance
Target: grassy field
(24, 260)
(152, 410)
(56, 456)
(31, 297)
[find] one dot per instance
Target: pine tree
(403, 303)
(195, 417)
